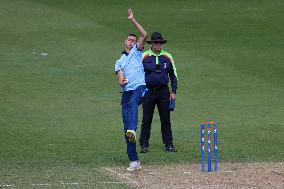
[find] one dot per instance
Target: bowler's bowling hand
(123, 81)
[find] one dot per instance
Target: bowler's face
(130, 42)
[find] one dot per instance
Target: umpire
(159, 68)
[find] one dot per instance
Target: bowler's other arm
(143, 37)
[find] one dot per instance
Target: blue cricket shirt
(132, 68)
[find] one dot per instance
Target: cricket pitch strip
(230, 175)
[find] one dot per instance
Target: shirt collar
(124, 52)
(152, 53)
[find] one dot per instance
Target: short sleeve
(135, 49)
(117, 66)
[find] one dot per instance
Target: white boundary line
(105, 182)
(73, 183)
(44, 184)
(49, 184)
(122, 176)
(7, 185)
(69, 183)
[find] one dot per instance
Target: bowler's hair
(132, 34)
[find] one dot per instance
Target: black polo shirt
(159, 69)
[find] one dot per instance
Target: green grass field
(60, 117)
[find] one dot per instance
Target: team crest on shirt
(165, 65)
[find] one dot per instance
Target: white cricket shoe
(131, 135)
(134, 165)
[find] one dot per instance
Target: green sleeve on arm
(173, 63)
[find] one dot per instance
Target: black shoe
(170, 149)
(144, 149)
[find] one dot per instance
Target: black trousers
(159, 97)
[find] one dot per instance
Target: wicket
(202, 140)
